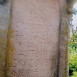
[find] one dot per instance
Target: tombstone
(34, 38)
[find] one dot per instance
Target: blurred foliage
(73, 54)
(73, 41)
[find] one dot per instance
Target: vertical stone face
(4, 24)
(36, 25)
(64, 40)
(37, 39)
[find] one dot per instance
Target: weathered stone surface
(35, 38)
(63, 40)
(4, 25)
(37, 42)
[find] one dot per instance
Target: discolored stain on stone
(4, 25)
(29, 46)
